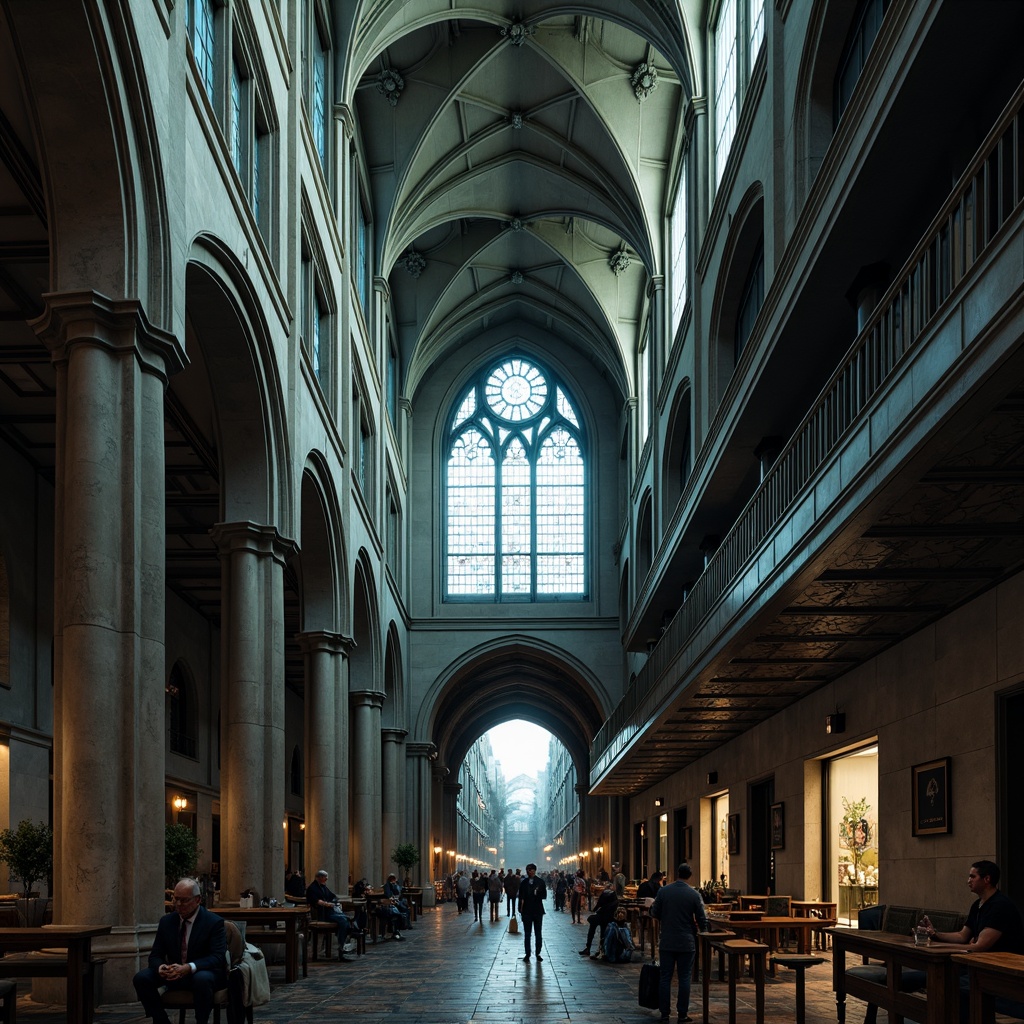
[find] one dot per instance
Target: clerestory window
(515, 489)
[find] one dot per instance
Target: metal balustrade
(988, 193)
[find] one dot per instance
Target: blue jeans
(682, 960)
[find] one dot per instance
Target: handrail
(985, 197)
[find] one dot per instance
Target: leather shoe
(539, 957)
(527, 957)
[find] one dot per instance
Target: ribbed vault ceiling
(510, 159)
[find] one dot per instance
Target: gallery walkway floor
(450, 970)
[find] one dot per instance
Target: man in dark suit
(189, 951)
(531, 896)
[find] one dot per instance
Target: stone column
(342, 802)
(418, 817)
(322, 653)
(392, 821)
(252, 772)
(109, 592)
(365, 853)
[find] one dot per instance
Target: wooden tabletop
(1001, 963)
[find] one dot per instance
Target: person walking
(532, 894)
(681, 912)
(512, 882)
(494, 894)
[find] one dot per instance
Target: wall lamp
(179, 803)
(835, 724)
(659, 801)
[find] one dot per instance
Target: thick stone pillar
(252, 771)
(418, 817)
(366, 857)
(109, 592)
(342, 799)
(392, 821)
(323, 654)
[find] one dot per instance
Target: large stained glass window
(515, 486)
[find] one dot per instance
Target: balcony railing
(988, 193)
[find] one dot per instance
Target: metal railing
(987, 194)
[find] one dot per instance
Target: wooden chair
(181, 999)
(8, 1001)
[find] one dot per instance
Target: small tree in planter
(28, 852)
(181, 853)
(406, 856)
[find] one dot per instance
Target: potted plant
(856, 834)
(405, 855)
(181, 853)
(28, 852)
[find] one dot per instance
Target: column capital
(315, 640)
(418, 749)
(393, 735)
(381, 286)
(120, 326)
(343, 115)
(655, 284)
(453, 787)
(366, 698)
(582, 789)
(253, 538)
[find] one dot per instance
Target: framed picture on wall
(687, 850)
(778, 823)
(931, 797)
(734, 834)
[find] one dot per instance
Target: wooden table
(265, 918)
(77, 940)
(815, 908)
(938, 1004)
(704, 957)
(735, 950)
(992, 975)
(769, 926)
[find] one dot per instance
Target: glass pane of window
(319, 112)
(560, 515)
(516, 390)
(315, 343)
(565, 409)
(756, 16)
(725, 85)
(515, 520)
(467, 408)
(678, 231)
(237, 149)
(720, 831)
(203, 45)
(471, 515)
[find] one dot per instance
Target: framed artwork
(778, 820)
(734, 834)
(687, 842)
(931, 798)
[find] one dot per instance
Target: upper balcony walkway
(897, 499)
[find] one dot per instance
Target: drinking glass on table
(922, 933)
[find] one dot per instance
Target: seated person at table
(994, 925)
(618, 941)
(294, 886)
(649, 889)
(322, 906)
(393, 891)
(604, 912)
(189, 952)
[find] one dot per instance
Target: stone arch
(644, 555)
(747, 232)
(393, 713)
(513, 677)
(365, 656)
(98, 153)
(678, 448)
(229, 348)
(813, 111)
(320, 559)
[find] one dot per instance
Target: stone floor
(451, 970)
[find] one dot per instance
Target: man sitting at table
(994, 925)
(189, 952)
(322, 906)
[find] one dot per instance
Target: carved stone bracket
(390, 85)
(644, 80)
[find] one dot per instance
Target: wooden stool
(316, 928)
(8, 1001)
(798, 963)
(736, 950)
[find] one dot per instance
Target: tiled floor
(451, 970)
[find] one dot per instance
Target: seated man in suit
(189, 951)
